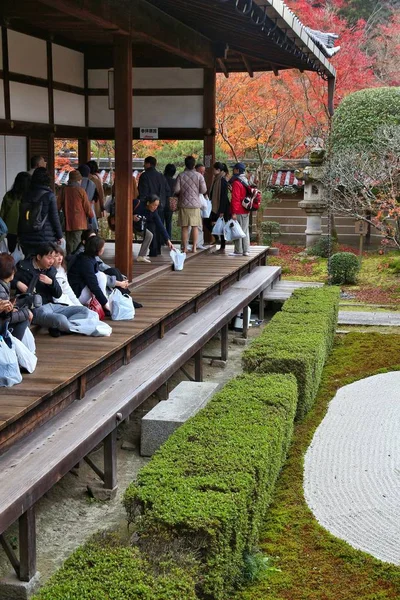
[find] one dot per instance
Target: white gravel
(352, 467)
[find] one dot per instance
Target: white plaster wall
(69, 109)
(27, 54)
(99, 114)
(68, 66)
(13, 155)
(29, 103)
(170, 77)
(168, 111)
(98, 78)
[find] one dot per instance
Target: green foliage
(271, 230)
(344, 268)
(298, 341)
(394, 265)
(353, 10)
(256, 567)
(323, 247)
(361, 114)
(105, 570)
(211, 482)
(176, 152)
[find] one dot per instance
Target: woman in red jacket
(239, 213)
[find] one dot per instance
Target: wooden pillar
(198, 365)
(27, 545)
(245, 322)
(123, 153)
(83, 150)
(110, 460)
(224, 342)
(209, 119)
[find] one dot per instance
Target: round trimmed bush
(344, 267)
(360, 115)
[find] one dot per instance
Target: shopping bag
(178, 259)
(218, 228)
(10, 373)
(29, 341)
(206, 207)
(26, 359)
(96, 307)
(18, 255)
(3, 245)
(102, 330)
(233, 231)
(121, 306)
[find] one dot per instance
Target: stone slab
(11, 588)
(352, 317)
(184, 402)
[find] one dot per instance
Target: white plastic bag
(218, 228)
(29, 341)
(18, 254)
(121, 306)
(206, 206)
(178, 258)
(26, 359)
(233, 231)
(10, 373)
(4, 245)
(102, 330)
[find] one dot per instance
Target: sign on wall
(149, 133)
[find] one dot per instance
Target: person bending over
(147, 209)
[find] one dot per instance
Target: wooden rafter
(248, 66)
(223, 67)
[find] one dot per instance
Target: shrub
(271, 230)
(104, 571)
(344, 267)
(211, 482)
(361, 114)
(323, 247)
(298, 341)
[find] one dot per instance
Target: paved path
(352, 467)
(355, 317)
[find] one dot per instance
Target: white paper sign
(149, 133)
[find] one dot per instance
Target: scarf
(216, 193)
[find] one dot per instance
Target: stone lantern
(314, 203)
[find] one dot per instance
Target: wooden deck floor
(70, 365)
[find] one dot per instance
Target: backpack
(252, 200)
(32, 216)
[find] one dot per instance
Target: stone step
(161, 421)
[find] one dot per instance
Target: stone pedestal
(11, 588)
(314, 211)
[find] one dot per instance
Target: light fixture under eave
(111, 89)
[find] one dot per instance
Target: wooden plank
(27, 545)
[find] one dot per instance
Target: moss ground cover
(313, 564)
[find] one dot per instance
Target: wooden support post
(198, 365)
(209, 120)
(83, 150)
(10, 554)
(110, 460)
(123, 153)
(27, 545)
(224, 342)
(245, 321)
(261, 306)
(82, 386)
(127, 354)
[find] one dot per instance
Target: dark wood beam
(152, 25)
(223, 67)
(153, 92)
(6, 73)
(92, 11)
(209, 119)
(248, 66)
(123, 154)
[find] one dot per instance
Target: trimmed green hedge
(210, 484)
(298, 341)
(104, 571)
(360, 115)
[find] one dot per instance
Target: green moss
(211, 482)
(313, 564)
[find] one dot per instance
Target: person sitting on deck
(85, 277)
(147, 211)
(68, 296)
(74, 203)
(18, 318)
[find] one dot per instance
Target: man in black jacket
(152, 182)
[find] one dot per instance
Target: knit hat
(84, 170)
(74, 177)
(241, 167)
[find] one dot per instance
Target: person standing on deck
(152, 182)
(189, 185)
(73, 201)
(169, 174)
(36, 162)
(10, 207)
(90, 190)
(99, 196)
(239, 213)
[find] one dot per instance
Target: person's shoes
(235, 254)
(201, 248)
(220, 251)
(54, 332)
(137, 304)
(143, 259)
(246, 253)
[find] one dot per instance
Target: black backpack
(33, 215)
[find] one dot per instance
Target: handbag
(173, 203)
(206, 207)
(30, 298)
(218, 228)
(10, 373)
(26, 359)
(96, 307)
(17, 254)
